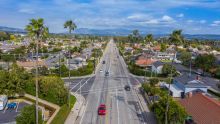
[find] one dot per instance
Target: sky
(148, 16)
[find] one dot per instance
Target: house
(190, 84)
(157, 67)
(165, 55)
(28, 65)
(203, 109)
(144, 62)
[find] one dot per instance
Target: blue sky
(149, 16)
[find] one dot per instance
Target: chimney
(197, 77)
(190, 94)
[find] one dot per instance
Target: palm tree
(37, 31)
(149, 38)
(175, 38)
(71, 26)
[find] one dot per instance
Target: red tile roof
(203, 109)
(144, 62)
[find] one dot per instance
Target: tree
(185, 57)
(163, 47)
(168, 69)
(153, 82)
(4, 36)
(176, 113)
(176, 37)
(27, 116)
(8, 58)
(71, 27)
(149, 38)
(205, 62)
(37, 31)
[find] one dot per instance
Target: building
(28, 65)
(190, 83)
(144, 62)
(157, 67)
(203, 109)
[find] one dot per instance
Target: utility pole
(59, 65)
(36, 85)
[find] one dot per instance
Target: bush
(27, 116)
(51, 88)
(64, 112)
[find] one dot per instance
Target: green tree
(27, 116)
(71, 27)
(176, 113)
(168, 69)
(37, 31)
(185, 57)
(205, 62)
(176, 37)
(153, 82)
(163, 47)
(149, 38)
(8, 58)
(4, 36)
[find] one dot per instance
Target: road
(123, 107)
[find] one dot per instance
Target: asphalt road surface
(123, 106)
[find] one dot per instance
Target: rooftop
(203, 109)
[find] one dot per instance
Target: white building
(3, 101)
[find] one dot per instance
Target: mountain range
(116, 32)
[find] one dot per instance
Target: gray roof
(191, 80)
(158, 63)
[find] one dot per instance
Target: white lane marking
(83, 84)
(77, 84)
(117, 105)
(83, 113)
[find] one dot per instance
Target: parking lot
(9, 115)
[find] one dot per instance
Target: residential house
(28, 65)
(203, 109)
(157, 67)
(190, 83)
(145, 62)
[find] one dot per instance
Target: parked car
(102, 109)
(3, 101)
(103, 62)
(127, 88)
(106, 73)
(12, 105)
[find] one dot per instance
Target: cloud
(180, 15)
(190, 21)
(27, 11)
(167, 18)
(202, 21)
(216, 23)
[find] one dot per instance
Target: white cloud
(190, 21)
(216, 23)
(180, 15)
(153, 21)
(202, 21)
(27, 11)
(167, 19)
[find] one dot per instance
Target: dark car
(103, 62)
(127, 88)
(106, 73)
(102, 109)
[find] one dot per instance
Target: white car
(101, 70)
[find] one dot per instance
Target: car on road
(102, 109)
(12, 105)
(101, 70)
(106, 73)
(127, 88)
(103, 62)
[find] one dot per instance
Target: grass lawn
(64, 112)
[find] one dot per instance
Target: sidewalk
(46, 103)
(76, 110)
(86, 76)
(149, 116)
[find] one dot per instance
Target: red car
(102, 109)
